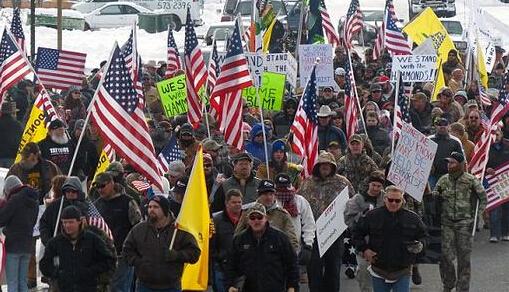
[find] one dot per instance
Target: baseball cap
(257, 208)
(266, 186)
(56, 124)
(458, 157)
(283, 181)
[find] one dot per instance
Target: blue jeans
(218, 284)
(16, 271)
(122, 279)
(142, 288)
(402, 285)
(499, 221)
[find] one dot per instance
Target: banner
(497, 186)
(283, 63)
(173, 95)
(414, 68)
(271, 92)
(35, 130)
(412, 161)
(331, 224)
(308, 55)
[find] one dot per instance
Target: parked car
(112, 15)
(442, 8)
(455, 30)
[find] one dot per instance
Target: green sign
(271, 92)
(173, 95)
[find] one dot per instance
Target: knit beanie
(71, 212)
(163, 203)
(10, 183)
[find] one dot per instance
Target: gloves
(414, 247)
(171, 255)
(305, 255)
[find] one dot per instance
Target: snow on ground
(98, 44)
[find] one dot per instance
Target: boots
(416, 276)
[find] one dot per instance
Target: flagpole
(354, 88)
(396, 100)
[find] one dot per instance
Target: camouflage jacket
(357, 170)
(321, 192)
(458, 194)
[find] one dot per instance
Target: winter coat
(379, 138)
(268, 263)
(79, 265)
(304, 223)
(11, 131)
(222, 241)
(282, 121)
(60, 154)
(387, 234)
(147, 249)
(249, 191)
(357, 169)
(329, 134)
(359, 205)
(446, 145)
(293, 170)
(19, 216)
(258, 149)
(423, 119)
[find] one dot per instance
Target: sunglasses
(256, 216)
(397, 201)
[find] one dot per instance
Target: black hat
(163, 203)
(283, 181)
(266, 186)
(242, 156)
(186, 129)
(181, 185)
(71, 212)
(443, 122)
(56, 124)
(458, 157)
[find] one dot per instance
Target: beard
(60, 139)
(186, 143)
(152, 218)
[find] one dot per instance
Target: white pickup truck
(443, 8)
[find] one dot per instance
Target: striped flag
(170, 152)
(328, 27)
(483, 95)
(379, 43)
(95, 219)
(226, 97)
(140, 185)
(130, 52)
(196, 72)
(13, 64)
(401, 109)
(17, 29)
(353, 23)
(305, 126)
(395, 42)
(173, 62)
(60, 69)
(496, 186)
(214, 69)
(351, 109)
(118, 114)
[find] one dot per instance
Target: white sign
(36, 232)
(283, 63)
(412, 161)
(324, 70)
(331, 223)
(414, 68)
(489, 57)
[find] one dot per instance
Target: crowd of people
(263, 209)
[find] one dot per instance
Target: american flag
(494, 185)
(170, 152)
(481, 150)
(226, 97)
(17, 29)
(401, 108)
(14, 66)
(95, 219)
(395, 42)
(351, 110)
(43, 102)
(196, 72)
(380, 37)
(173, 63)
(60, 69)
(130, 52)
(214, 69)
(305, 126)
(330, 32)
(118, 114)
(484, 97)
(353, 23)
(140, 185)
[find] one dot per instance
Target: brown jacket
(39, 177)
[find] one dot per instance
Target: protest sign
(271, 92)
(331, 224)
(324, 70)
(414, 68)
(489, 57)
(283, 63)
(173, 95)
(411, 161)
(36, 232)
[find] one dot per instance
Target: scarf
(287, 198)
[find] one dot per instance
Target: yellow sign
(173, 95)
(271, 92)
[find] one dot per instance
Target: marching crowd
(263, 210)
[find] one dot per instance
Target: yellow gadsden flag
(427, 25)
(194, 217)
(35, 129)
(481, 66)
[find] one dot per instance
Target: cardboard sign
(414, 68)
(173, 95)
(331, 224)
(412, 161)
(283, 63)
(271, 92)
(324, 70)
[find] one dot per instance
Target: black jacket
(11, 135)
(269, 264)
(18, 217)
(387, 234)
(446, 145)
(329, 134)
(79, 265)
(147, 249)
(379, 138)
(222, 240)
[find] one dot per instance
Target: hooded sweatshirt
(258, 149)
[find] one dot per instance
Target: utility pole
(32, 31)
(59, 24)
